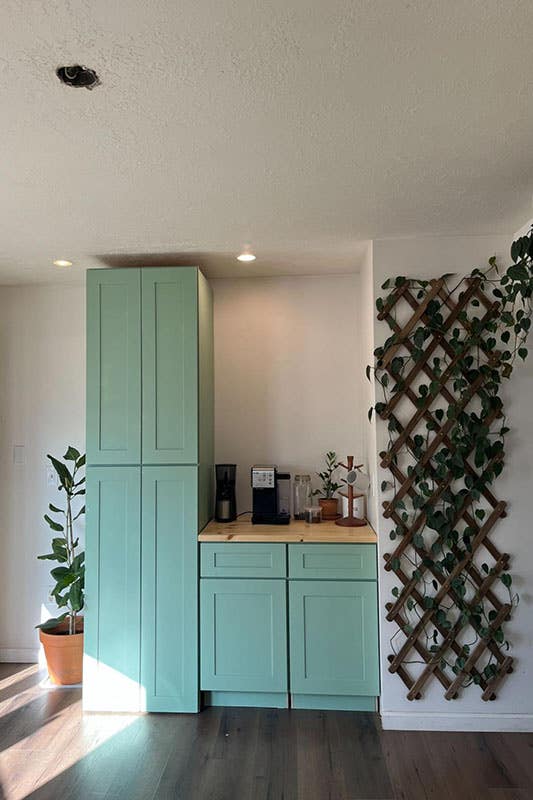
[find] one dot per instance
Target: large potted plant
(327, 502)
(62, 636)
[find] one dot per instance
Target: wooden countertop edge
(295, 533)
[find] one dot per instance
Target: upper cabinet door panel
(114, 366)
(170, 365)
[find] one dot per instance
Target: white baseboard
(19, 655)
(399, 721)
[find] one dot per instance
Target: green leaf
(55, 509)
(63, 473)
(76, 596)
(370, 410)
(367, 371)
(522, 352)
(518, 272)
(418, 541)
(51, 623)
(72, 454)
(62, 574)
(54, 525)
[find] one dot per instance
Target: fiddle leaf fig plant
(329, 486)
(69, 576)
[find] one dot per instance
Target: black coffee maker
(225, 505)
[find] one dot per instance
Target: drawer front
(333, 561)
(232, 560)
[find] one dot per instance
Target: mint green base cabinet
(169, 665)
(111, 679)
(243, 635)
(333, 632)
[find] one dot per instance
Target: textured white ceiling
(302, 127)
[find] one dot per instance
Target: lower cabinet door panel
(113, 589)
(243, 635)
(169, 648)
(333, 637)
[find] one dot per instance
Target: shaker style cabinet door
(334, 637)
(114, 366)
(243, 635)
(113, 589)
(170, 365)
(169, 660)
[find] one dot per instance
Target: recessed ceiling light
(62, 262)
(246, 257)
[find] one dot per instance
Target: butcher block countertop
(242, 530)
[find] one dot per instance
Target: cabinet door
(334, 637)
(243, 635)
(113, 589)
(169, 662)
(113, 366)
(170, 365)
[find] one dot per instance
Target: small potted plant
(327, 501)
(62, 636)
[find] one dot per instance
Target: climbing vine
(440, 372)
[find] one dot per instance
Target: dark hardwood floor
(50, 751)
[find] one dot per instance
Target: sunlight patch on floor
(49, 725)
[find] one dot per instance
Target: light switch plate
(19, 455)
(51, 478)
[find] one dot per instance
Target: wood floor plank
(358, 756)
(317, 778)
(275, 757)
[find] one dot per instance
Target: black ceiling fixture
(76, 75)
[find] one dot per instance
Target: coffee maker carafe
(225, 505)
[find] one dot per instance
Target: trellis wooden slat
(465, 566)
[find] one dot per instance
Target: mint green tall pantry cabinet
(149, 484)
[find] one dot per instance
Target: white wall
(42, 408)
(287, 373)
(365, 313)
(513, 709)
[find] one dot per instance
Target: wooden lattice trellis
(409, 411)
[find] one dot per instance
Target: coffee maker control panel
(263, 477)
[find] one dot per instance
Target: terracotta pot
(329, 506)
(64, 653)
